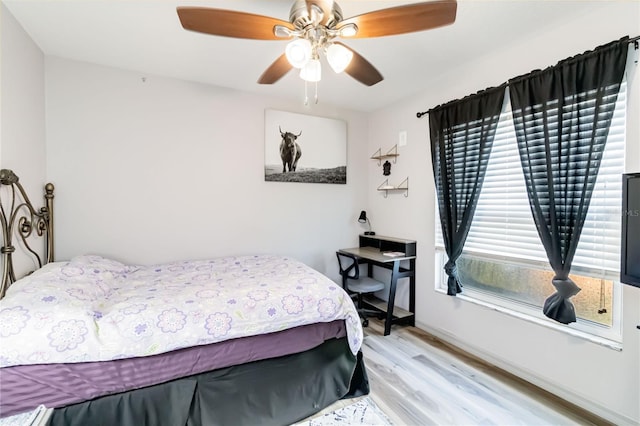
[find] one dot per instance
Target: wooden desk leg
(392, 297)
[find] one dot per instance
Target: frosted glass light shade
(339, 57)
(312, 71)
(298, 52)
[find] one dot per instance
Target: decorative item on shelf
(392, 153)
(386, 168)
(402, 186)
(364, 219)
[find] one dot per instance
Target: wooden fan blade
(229, 23)
(404, 19)
(361, 69)
(276, 70)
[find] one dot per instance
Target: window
(504, 262)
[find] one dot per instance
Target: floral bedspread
(96, 309)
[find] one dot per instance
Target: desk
(371, 252)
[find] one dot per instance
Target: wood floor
(417, 379)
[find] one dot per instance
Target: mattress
(97, 309)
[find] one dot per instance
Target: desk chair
(353, 283)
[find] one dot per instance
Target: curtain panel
(462, 134)
(562, 116)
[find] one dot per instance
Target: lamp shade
(364, 219)
(311, 71)
(339, 57)
(298, 52)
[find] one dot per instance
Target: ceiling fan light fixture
(298, 52)
(311, 30)
(312, 71)
(339, 57)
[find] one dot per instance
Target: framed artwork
(304, 148)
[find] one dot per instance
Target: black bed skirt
(278, 391)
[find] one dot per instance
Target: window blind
(503, 226)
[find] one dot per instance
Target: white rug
(363, 412)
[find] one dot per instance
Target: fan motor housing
(325, 13)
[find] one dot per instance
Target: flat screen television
(630, 243)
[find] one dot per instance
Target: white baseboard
(531, 377)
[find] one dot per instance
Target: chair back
(348, 266)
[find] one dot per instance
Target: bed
(256, 339)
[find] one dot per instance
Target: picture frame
(304, 148)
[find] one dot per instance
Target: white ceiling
(146, 36)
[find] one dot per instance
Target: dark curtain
(562, 116)
(462, 133)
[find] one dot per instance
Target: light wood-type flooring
(417, 379)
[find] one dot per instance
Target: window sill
(611, 344)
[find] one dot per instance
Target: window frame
(598, 333)
(592, 331)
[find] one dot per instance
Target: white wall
(22, 124)
(600, 379)
(22, 131)
(151, 169)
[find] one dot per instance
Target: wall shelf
(402, 186)
(392, 153)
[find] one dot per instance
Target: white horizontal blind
(599, 246)
(503, 225)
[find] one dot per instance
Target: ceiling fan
(314, 26)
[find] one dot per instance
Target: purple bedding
(57, 385)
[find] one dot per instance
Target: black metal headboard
(18, 218)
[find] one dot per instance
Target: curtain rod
(633, 40)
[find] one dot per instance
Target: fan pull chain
(306, 94)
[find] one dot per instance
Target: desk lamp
(362, 219)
